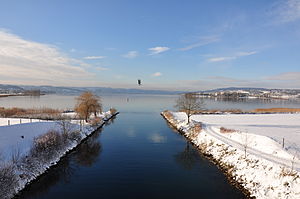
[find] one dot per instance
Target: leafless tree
(88, 103)
(293, 161)
(246, 142)
(190, 104)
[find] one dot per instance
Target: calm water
(140, 103)
(138, 156)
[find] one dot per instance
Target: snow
(265, 170)
(11, 140)
(12, 121)
(19, 137)
(274, 126)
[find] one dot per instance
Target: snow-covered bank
(253, 161)
(27, 154)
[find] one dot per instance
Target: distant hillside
(236, 88)
(78, 90)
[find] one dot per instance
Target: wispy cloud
(131, 54)
(99, 68)
(157, 74)
(288, 76)
(227, 58)
(220, 59)
(158, 50)
(202, 41)
(94, 57)
(241, 54)
(28, 62)
(286, 11)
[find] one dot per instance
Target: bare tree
(88, 103)
(190, 104)
(246, 141)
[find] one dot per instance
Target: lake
(141, 103)
(137, 156)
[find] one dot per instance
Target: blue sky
(177, 45)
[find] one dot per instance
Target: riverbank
(257, 176)
(36, 156)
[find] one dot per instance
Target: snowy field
(274, 126)
(250, 154)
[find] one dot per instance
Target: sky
(168, 44)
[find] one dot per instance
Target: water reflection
(188, 158)
(89, 151)
(157, 138)
(85, 155)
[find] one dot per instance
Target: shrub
(195, 130)
(96, 121)
(8, 180)
(46, 145)
(168, 115)
(113, 111)
(225, 130)
(74, 136)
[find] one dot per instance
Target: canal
(137, 156)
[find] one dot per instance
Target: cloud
(237, 55)
(94, 57)
(131, 54)
(99, 68)
(288, 76)
(220, 59)
(202, 42)
(28, 62)
(158, 50)
(286, 11)
(157, 74)
(241, 54)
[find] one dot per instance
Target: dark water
(137, 156)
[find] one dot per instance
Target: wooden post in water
(8, 122)
(283, 143)
(20, 121)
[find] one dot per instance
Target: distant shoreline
(12, 95)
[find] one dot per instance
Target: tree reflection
(188, 158)
(89, 151)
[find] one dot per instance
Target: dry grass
(214, 111)
(21, 112)
(287, 172)
(225, 130)
(276, 110)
